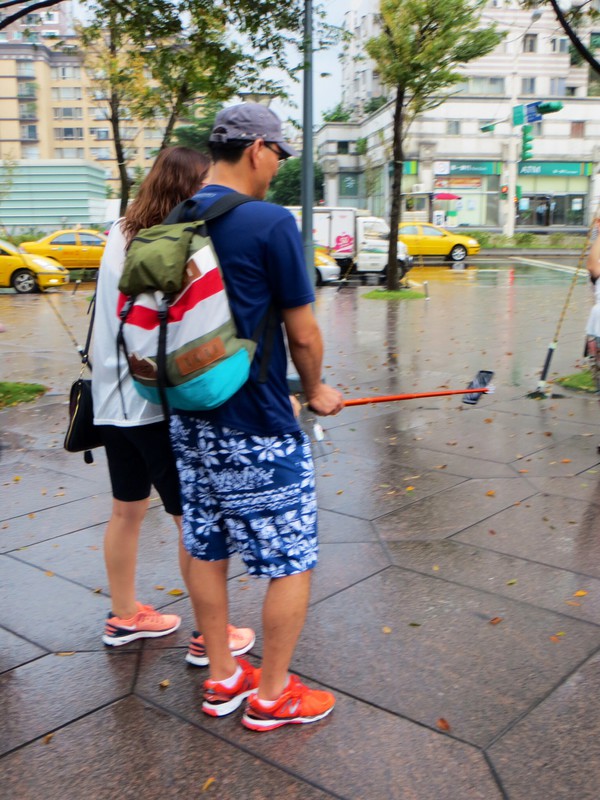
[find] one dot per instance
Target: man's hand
(326, 401)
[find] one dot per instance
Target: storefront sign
(565, 168)
(467, 167)
(463, 182)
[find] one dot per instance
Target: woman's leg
(120, 554)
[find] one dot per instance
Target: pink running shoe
(219, 700)
(148, 623)
(240, 641)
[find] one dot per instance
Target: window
(530, 43)
(32, 19)
(426, 231)
(64, 238)
(101, 153)
(484, 85)
(560, 44)
(26, 90)
(571, 91)
(25, 69)
(49, 34)
(27, 111)
(537, 128)
(51, 17)
(99, 114)
(29, 133)
(68, 133)
(578, 130)
(343, 148)
(30, 151)
(91, 240)
(409, 230)
(527, 85)
(152, 133)
(558, 87)
(66, 93)
(67, 113)
(100, 134)
(453, 127)
(68, 152)
(67, 73)
(127, 134)
(149, 152)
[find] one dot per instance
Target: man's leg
(120, 554)
(284, 612)
(208, 593)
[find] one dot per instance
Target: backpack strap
(267, 326)
(221, 206)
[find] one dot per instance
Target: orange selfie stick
(390, 398)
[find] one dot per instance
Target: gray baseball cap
(247, 122)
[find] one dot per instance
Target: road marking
(547, 264)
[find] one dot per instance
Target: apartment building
(50, 108)
(446, 150)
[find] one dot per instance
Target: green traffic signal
(526, 142)
(549, 106)
(488, 128)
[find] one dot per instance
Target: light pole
(513, 139)
(308, 181)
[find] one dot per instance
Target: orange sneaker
(296, 705)
(240, 641)
(220, 700)
(148, 623)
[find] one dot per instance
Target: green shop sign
(557, 168)
(408, 168)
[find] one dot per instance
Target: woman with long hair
(135, 433)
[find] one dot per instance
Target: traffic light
(504, 192)
(526, 142)
(549, 106)
(488, 128)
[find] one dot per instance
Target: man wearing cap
(246, 469)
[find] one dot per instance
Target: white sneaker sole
(117, 641)
(222, 709)
(270, 724)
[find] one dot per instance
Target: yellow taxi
(424, 239)
(26, 273)
(73, 249)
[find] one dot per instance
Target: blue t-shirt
(261, 255)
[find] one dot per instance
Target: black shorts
(138, 458)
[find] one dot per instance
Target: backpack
(177, 330)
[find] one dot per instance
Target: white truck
(357, 240)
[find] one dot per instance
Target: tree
(197, 132)
(197, 49)
(286, 187)
(421, 44)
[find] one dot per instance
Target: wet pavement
(455, 610)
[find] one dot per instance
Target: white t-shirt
(126, 407)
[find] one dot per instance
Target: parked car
(423, 239)
(74, 249)
(326, 268)
(26, 273)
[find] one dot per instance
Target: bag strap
(218, 208)
(268, 326)
(84, 352)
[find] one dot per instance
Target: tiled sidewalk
(436, 519)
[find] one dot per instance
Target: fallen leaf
(49, 574)
(208, 783)
(243, 578)
(96, 591)
(66, 653)
(31, 516)
(547, 433)
(511, 582)
(175, 592)
(385, 629)
(442, 724)
(160, 588)
(580, 593)
(554, 639)
(491, 493)
(340, 491)
(165, 684)
(436, 568)
(59, 494)
(17, 478)
(561, 633)
(410, 488)
(414, 624)
(566, 461)
(47, 738)
(488, 420)
(491, 532)
(572, 603)
(440, 466)
(495, 620)
(523, 470)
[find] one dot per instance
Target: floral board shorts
(254, 495)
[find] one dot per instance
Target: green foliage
(556, 239)
(337, 114)
(581, 381)
(374, 104)
(13, 393)
(196, 133)
(483, 237)
(361, 146)
(525, 239)
(399, 294)
(286, 189)
(418, 52)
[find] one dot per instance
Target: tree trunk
(182, 98)
(393, 282)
